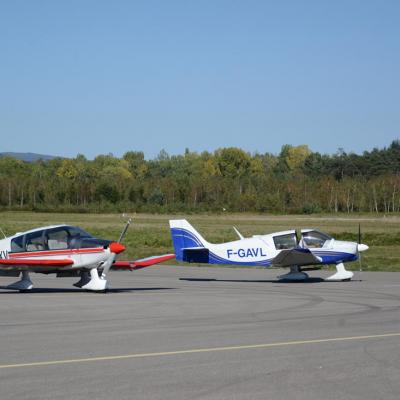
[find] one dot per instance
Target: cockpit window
(57, 239)
(315, 238)
(17, 244)
(34, 241)
(66, 237)
(63, 237)
(287, 241)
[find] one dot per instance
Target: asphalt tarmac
(202, 333)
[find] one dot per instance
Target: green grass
(149, 234)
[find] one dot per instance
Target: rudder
(184, 236)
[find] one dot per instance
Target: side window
(34, 241)
(57, 239)
(17, 244)
(288, 241)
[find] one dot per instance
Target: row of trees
(296, 180)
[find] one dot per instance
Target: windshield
(76, 231)
(315, 238)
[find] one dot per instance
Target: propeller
(116, 248)
(123, 233)
(358, 245)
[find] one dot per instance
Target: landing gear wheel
(23, 285)
(295, 274)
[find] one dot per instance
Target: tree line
(297, 180)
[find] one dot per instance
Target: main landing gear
(296, 274)
(90, 280)
(24, 284)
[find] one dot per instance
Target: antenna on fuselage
(238, 233)
(1, 230)
(126, 227)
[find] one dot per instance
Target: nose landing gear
(341, 274)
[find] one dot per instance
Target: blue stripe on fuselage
(335, 258)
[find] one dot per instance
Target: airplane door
(58, 239)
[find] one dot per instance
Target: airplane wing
(9, 264)
(144, 262)
(298, 256)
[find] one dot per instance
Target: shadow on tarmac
(309, 280)
(77, 290)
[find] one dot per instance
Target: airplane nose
(362, 247)
(116, 247)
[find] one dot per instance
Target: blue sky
(95, 77)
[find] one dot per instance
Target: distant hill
(29, 157)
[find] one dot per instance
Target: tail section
(186, 240)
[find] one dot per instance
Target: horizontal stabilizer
(299, 256)
(144, 262)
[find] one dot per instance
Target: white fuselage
(81, 258)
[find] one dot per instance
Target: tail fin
(184, 237)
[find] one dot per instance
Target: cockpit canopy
(57, 238)
(309, 238)
(314, 238)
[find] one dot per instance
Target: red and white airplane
(67, 251)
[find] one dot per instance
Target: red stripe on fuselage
(62, 252)
(29, 262)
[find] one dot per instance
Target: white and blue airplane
(309, 250)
